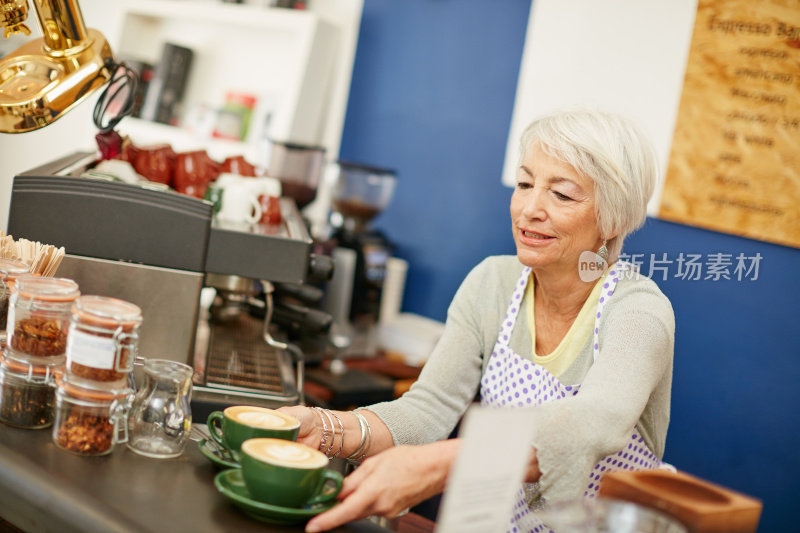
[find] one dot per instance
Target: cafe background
(433, 94)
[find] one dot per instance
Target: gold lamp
(46, 77)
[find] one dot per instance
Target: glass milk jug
(161, 417)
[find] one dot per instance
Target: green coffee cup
(287, 473)
(231, 427)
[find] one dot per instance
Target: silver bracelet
(341, 444)
(333, 432)
(325, 432)
(369, 437)
(362, 423)
(369, 441)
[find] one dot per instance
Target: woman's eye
(523, 185)
(561, 196)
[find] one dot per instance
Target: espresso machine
(205, 286)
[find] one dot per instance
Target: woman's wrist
(441, 457)
(345, 434)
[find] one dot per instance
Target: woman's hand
(389, 483)
(310, 432)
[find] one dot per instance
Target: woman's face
(552, 213)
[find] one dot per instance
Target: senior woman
(590, 350)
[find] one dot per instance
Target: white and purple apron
(513, 381)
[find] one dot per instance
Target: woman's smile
(534, 238)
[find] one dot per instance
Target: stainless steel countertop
(44, 488)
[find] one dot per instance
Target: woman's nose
(534, 206)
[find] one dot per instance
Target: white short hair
(610, 150)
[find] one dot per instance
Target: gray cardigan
(629, 384)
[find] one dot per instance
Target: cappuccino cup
(231, 427)
(287, 473)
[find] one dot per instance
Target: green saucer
(231, 484)
(213, 454)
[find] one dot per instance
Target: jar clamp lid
(106, 313)
(42, 293)
(43, 373)
(11, 268)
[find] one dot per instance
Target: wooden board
(702, 506)
(735, 158)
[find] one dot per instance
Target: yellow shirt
(573, 342)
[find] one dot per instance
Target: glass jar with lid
(102, 341)
(89, 421)
(27, 393)
(38, 316)
(10, 270)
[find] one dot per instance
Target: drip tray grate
(240, 359)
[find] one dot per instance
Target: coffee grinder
(355, 194)
(360, 193)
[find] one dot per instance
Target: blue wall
(432, 94)
(735, 393)
(431, 97)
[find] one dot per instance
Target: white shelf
(292, 61)
(241, 15)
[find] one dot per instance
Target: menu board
(735, 160)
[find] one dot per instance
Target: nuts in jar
(39, 314)
(89, 422)
(39, 337)
(103, 340)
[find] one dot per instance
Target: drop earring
(603, 251)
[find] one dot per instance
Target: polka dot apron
(513, 381)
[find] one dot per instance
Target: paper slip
(491, 464)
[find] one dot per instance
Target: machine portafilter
(239, 299)
(235, 295)
(46, 77)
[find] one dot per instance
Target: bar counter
(44, 488)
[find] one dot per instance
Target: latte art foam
(285, 453)
(292, 454)
(253, 418)
(260, 417)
